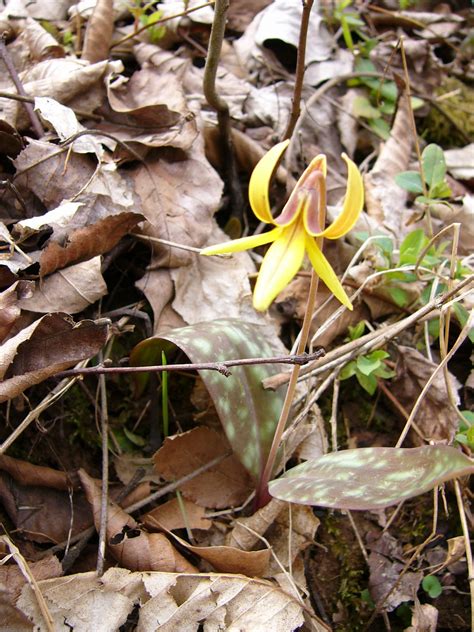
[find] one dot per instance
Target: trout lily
(297, 228)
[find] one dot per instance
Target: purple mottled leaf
(247, 411)
(370, 478)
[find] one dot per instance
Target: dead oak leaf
(226, 484)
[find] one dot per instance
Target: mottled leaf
(370, 478)
(247, 412)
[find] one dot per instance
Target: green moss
(437, 128)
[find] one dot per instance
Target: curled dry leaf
(262, 519)
(226, 484)
(72, 289)
(173, 515)
(9, 305)
(27, 473)
(132, 547)
(49, 345)
(41, 44)
(227, 559)
(99, 32)
(166, 602)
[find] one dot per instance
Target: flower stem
(262, 496)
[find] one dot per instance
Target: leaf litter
(113, 177)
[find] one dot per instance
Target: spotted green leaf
(247, 411)
(370, 478)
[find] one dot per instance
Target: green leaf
(463, 315)
(247, 411)
(380, 127)
(368, 382)
(410, 181)
(412, 246)
(356, 331)
(363, 108)
(417, 103)
(384, 372)
(370, 478)
(440, 190)
(134, 438)
(367, 364)
(434, 165)
(398, 295)
(348, 371)
(432, 586)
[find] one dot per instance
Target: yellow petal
(260, 182)
(279, 266)
(326, 273)
(353, 203)
(244, 243)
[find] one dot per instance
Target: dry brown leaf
(9, 305)
(49, 345)
(244, 539)
(132, 547)
(170, 516)
(41, 44)
(12, 619)
(72, 289)
(13, 580)
(179, 196)
(43, 514)
(98, 36)
(436, 418)
(386, 562)
(385, 200)
(149, 109)
(425, 618)
(227, 484)
(50, 173)
(27, 473)
(166, 602)
(226, 559)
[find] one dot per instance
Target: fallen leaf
(425, 618)
(49, 345)
(71, 289)
(246, 539)
(10, 308)
(128, 543)
(224, 485)
(172, 515)
(13, 580)
(167, 600)
(98, 36)
(385, 566)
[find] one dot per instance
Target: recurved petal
(244, 243)
(279, 266)
(260, 182)
(353, 203)
(325, 272)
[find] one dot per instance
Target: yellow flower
(297, 226)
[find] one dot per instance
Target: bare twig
(221, 367)
(5, 55)
(300, 64)
(25, 99)
(221, 107)
(104, 497)
(467, 541)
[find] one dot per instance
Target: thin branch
(25, 99)
(300, 66)
(222, 367)
(221, 107)
(5, 55)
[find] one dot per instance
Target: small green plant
(432, 187)
(381, 101)
(465, 435)
(349, 20)
(146, 15)
(366, 368)
(432, 586)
